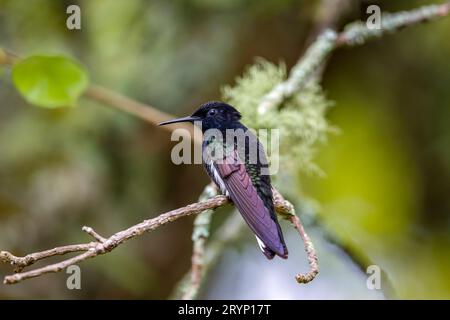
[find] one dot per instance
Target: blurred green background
(384, 196)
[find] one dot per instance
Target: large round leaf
(50, 81)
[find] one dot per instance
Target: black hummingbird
(239, 171)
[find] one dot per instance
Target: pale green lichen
(300, 119)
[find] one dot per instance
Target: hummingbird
(240, 172)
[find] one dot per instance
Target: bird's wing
(245, 197)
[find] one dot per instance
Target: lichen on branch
(301, 120)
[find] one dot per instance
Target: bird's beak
(184, 119)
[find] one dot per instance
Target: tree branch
(140, 110)
(96, 248)
(104, 245)
(20, 263)
(356, 33)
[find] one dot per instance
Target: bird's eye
(212, 112)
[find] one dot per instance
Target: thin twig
(93, 234)
(20, 263)
(140, 110)
(310, 252)
(128, 105)
(287, 211)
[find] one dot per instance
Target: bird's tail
(269, 251)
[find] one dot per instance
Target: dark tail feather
(270, 253)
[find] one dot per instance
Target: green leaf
(50, 81)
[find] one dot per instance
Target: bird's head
(212, 115)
